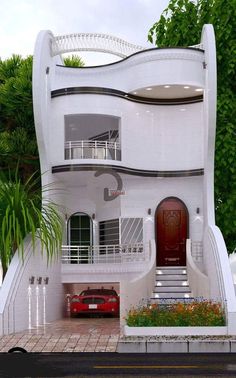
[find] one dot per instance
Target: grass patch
(194, 314)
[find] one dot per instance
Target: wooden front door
(171, 232)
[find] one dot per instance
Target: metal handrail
(92, 149)
(113, 253)
(92, 143)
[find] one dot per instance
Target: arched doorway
(171, 224)
(79, 233)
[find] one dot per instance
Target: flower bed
(194, 314)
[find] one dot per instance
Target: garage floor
(67, 335)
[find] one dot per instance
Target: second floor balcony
(102, 254)
(92, 149)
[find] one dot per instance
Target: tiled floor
(67, 335)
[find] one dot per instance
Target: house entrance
(171, 224)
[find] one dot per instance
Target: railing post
(70, 151)
(96, 151)
(115, 151)
(106, 150)
(82, 149)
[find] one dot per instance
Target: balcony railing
(92, 149)
(101, 254)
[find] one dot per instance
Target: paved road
(116, 365)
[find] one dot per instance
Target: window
(80, 234)
(109, 232)
(79, 229)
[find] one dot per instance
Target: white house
(130, 148)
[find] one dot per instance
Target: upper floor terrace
(134, 91)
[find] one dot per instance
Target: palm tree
(23, 212)
(73, 61)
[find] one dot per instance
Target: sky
(21, 20)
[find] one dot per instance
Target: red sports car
(99, 301)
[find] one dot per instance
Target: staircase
(171, 285)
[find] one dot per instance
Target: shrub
(204, 313)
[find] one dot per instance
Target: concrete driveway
(67, 335)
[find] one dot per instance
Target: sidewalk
(104, 335)
(67, 335)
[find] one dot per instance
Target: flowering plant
(204, 313)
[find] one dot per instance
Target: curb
(176, 346)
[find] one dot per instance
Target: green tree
(180, 25)
(16, 94)
(17, 133)
(21, 213)
(18, 146)
(73, 61)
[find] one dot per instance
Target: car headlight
(75, 300)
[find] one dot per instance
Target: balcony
(103, 254)
(92, 149)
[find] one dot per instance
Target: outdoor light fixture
(149, 211)
(47, 70)
(46, 280)
(31, 280)
(93, 216)
(198, 210)
(39, 280)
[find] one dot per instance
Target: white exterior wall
(215, 253)
(137, 200)
(140, 194)
(14, 299)
(149, 68)
(152, 137)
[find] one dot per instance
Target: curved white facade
(131, 147)
(150, 127)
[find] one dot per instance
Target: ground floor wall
(139, 198)
(31, 294)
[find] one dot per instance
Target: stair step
(171, 289)
(171, 286)
(171, 267)
(171, 271)
(166, 301)
(172, 283)
(180, 277)
(171, 295)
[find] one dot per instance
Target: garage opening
(92, 300)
